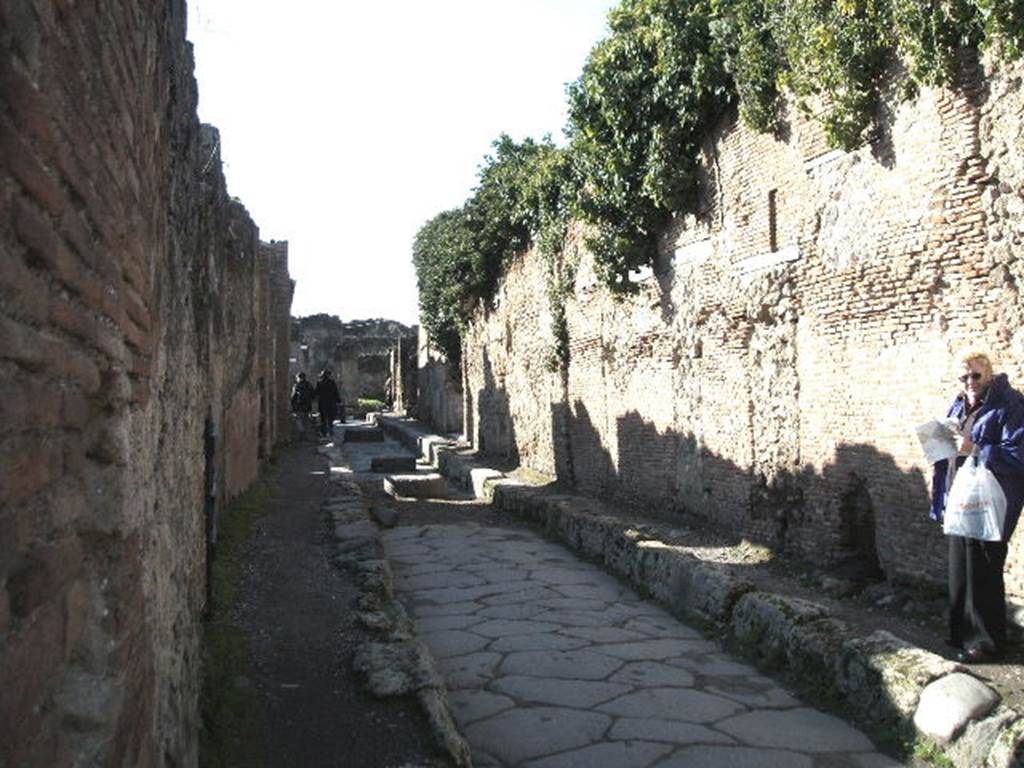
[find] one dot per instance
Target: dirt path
(293, 615)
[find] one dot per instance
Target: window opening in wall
(773, 228)
(858, 554)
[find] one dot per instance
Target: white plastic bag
(976, 505)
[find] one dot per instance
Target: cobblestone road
(553, 663)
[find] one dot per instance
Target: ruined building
(769, 372)
(371, 359)
(143, 380)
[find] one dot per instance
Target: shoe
(977, 656)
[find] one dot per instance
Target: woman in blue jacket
(990, 414)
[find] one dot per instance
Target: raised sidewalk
(882, 682)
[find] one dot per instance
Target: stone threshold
(888, 686)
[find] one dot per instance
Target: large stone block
(426, 486)
(384, 464)
(764, 623)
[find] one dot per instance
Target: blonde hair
(968, 356)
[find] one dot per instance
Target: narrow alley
(551, 662)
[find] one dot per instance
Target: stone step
(393, 464)
(363, 434)
(426, 486)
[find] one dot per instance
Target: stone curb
(396, 663)
(878, 680)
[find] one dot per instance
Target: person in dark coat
(327, 397)
(302, 401)
(990, 414)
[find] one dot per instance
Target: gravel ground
(294, 610)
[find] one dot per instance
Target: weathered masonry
(365, 355)
(768, 374)
(143, 379)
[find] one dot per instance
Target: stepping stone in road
(386, 464)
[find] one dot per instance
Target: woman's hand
(964, 444)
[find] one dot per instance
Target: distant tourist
(328, 399)
(989, 435)
(302, 401)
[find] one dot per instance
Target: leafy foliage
(637, 116)
(460, 254)
(639, 113)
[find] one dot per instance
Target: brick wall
(767, 376)
(129, 284)
(357, 351)
(439, 401)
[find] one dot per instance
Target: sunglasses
(973, 376)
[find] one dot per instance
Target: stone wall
(357, 351)
(139, 315)
(768, 373)
(439, 401)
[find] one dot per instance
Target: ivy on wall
(639, 112)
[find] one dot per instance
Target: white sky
(346, 125)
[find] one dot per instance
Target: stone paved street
(553, 663)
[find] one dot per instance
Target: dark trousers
(327, 417)
(977, 596)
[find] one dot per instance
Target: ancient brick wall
(357, 351)
(767, 375)
(128, 282)
(439, 400)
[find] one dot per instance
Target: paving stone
(419, 569)
(493, 575)
(549, 641)
(672, 731)
(446, 609)
(804, 729)
(440, 579)
(474, 670)
(595, 593)
(570, 665)
(661, 627)
(577, 618)
(672, 704)
(754, 692)
(443, 595)
(716, 664)
(575, 604)
(654, 649)
(581, 694)
(531, 595)
(471, 705)
(735, 757)
(602, 634)
(520, 734)
(453, 642)
(507, 628)
(563, 575)
(653, 673)
(514, 611)
(410, 553)
(949, 703)
(405, 533)
(429, 624)
(630, 755)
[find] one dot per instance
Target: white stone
(949, 703)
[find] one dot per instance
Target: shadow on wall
(861, 515)
(496, 434)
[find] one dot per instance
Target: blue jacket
(999, 434)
